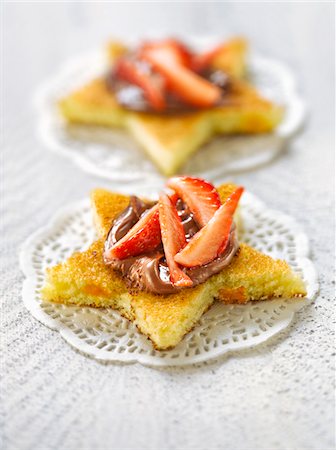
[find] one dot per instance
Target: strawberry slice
(174, 198)
(186, 55)
(138, 73)
(173, 239)
(182, 53)
(203, 60)
(189, 86)
(211, 240)
(201, 197)
(143, 237)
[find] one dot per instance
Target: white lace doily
(105, 335)
(107, 152)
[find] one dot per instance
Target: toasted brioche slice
(170, 139)
(85, 280)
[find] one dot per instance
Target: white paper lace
(104, 335)
(107, 152)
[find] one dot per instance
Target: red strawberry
(212, 239)
(173, 198)
(189, 86)
(137, 73)
(203, 60)
(173, 239)
(185, 53)
(143, 237)
(201, 197)
(182, 53)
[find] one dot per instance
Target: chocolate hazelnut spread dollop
(150, 272)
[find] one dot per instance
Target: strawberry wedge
(182, 53)
(189, 86)
(211, 240)
(201, 197)
(185, 54)
(203, 60)
(173, 239)
(143, 237)
(153, 86)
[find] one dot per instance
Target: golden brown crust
(95, 93)
(232, 58)
(106, 206)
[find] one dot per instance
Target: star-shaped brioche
(169, 140)
(85, 280)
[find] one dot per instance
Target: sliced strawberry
(202, 61)
(182, 53)
(201, 197)
(189, 86)
(173, 239)
(143, 237)
(185, 55)
(174, 198)
(212, 239)
(137, 73)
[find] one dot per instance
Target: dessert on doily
(162, 264)
(172, 99)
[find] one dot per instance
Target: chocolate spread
(132, 97)
(149, 272)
